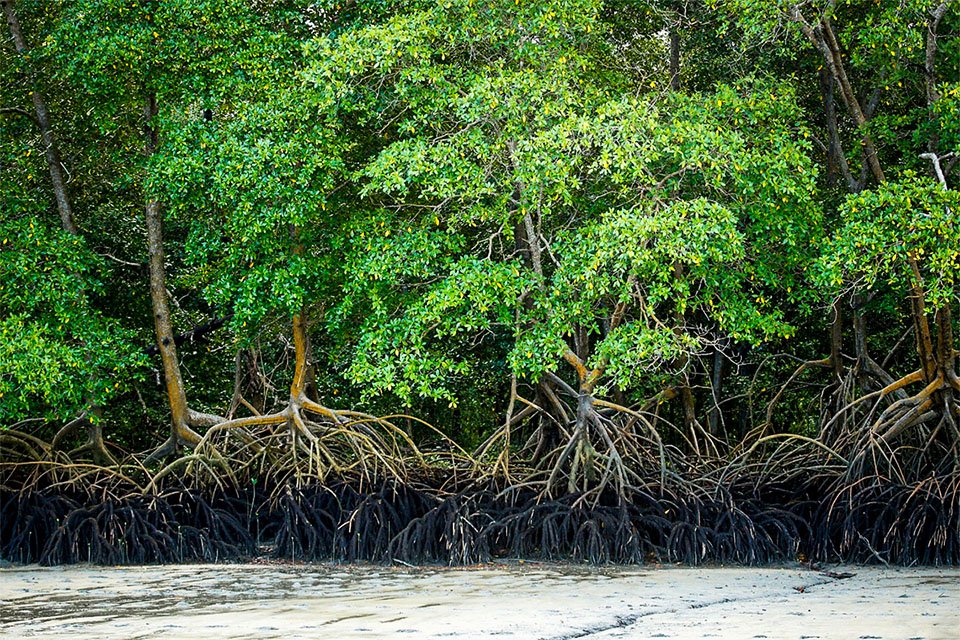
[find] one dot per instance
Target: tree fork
(850, 98)
(937, 361)
(821, 35)
(835, 153)
(94, 445)
(294, 417)
(824, 40)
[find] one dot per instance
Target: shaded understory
(98, 518)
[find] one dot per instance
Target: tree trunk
(689, 412)
(687, 401)
(925, 350)
(713, 419)
(301, 364)
(823, 39)
(583, 461)
(674, 58)
(930, 72)
(850, 98)
(859, 328)
(312, 389)
(181, 433)
(836, 339)
(51, 150)
(947, 356)
(836, 158)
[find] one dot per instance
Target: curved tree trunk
(51, 150)
(181, 417)
(822, 37)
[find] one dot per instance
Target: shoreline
(553, 601)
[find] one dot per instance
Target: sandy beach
(516, 600)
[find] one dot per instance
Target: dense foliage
(585, 246)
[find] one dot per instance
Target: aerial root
(305, 442)
(602, 451)
(874, 519)
(87, 515)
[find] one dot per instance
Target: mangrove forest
(442, 281)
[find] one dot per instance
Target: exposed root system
(61, 514)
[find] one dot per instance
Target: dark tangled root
(210, 528)
(56, 525)
(867, 520)
(341, 523)
(126, 530)
(876, 520)
(28, 520)
(449, 532)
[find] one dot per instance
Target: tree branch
(15, 111)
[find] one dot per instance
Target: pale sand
(503, 601)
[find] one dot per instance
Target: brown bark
(95, 445)
(823, 38)
(688, 403)
(503, 460)
(51, 150)
(585, 452)
(533, 242)
(163, 326)
(859, 328)
(180, 415)
(311, 389)
(299, 401)
(947, 355)
(836, 339)
(304, 419)
(687, 400)
(674, 58)
(835, 154)
(305, 376)
(850, 98)
(298, 385)
(934, 346)
(713, 418)
(928, 360)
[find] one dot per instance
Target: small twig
(872, 550)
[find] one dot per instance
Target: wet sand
(516, 600)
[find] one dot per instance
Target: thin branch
(15, 111)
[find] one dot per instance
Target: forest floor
(512, 600)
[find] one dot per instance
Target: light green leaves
(887, 227)
(57, 353)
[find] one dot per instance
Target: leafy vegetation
(453, 267)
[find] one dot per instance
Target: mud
(514, 600)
